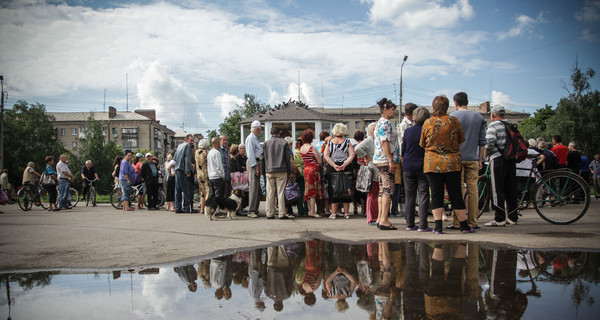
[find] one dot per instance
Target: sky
(193, 61)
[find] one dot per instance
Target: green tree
(28, 136)
(577, 114)
(535, 126)
(231, 126)
(94, 147)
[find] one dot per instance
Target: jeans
(125, 190)
(63, 189)
(182, 186)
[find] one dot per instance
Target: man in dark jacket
(150, 176)
(276, 162)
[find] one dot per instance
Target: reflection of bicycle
(91, 194)
(115, 196)
(558, 196)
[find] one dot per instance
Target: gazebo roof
(291, 111)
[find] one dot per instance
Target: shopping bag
(341, 185)
(239, 181)
(364, 179)
(3, 198)
(292, 192)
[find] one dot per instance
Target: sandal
(452, 227)
(384, 227)
(314, 215)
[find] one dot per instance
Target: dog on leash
(229, 205)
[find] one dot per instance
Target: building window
(129, 130)
(357, 125)
(104, 131)
(74, 131)
(114, 132)
(130, 143)
(74, 145)
(63, 131)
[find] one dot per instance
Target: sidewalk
(105, 238)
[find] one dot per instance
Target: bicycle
(27, 195)
(45, 196)
(116, 193)
(558, 196)
(91, 194)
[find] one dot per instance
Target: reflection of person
(221, 276)
(340, 285)
(443, 294)
(280, 278)
(313, 273)
(256, 277)
(502, 298)
(188, 275)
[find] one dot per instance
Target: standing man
(471, 155)
(254, 150)
(276, 162)
(216, 172)
(595, 167)
(503, 172)
(64, 174)
(150, 176)
(126, 178)
(226, 164)
(183, 170)
(560, 150)
(406, 123)
(88, 172)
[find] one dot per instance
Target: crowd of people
(427, 157)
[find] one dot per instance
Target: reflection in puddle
(324, 280)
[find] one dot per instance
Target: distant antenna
(127, 91)
(299, 86)
(104, 108)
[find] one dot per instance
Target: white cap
(256, 124)
(148, 154)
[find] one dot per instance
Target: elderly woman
(312, 172)
(387, 156)
(202, 172)
(51, 188)
(338, 154)
(170, 173)
(234, 151)
(413, 156)
(441, 138)
(366, 150)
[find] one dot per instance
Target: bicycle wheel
(25, 199)
(115, 198)
(561, 266)
(561, 198)
(44, 198)
(483, 190)
(74, 196)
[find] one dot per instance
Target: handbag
(341, 185)
(364, 179)
(292, 192)
(47, 180)
(3, 198)
(239, 181)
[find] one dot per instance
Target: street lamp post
(2, 124)
(400, 102)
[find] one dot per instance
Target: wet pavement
(316, 279)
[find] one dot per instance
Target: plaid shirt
(226, 162)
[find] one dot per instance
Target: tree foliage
(94, 147)
(28, 136)
(230, 125)
(535, 126)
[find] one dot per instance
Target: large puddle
(324, 280)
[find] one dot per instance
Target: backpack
(515, 149)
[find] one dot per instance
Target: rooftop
(101, 116)
(291, 110)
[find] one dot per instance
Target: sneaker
(437, 232)
(425, 230)
(413, 228)
(470, 230)
(347, 217)
(252, 215)
(332, 216)
(271, 217)
(495, 223)
(511, 222)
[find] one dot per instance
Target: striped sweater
(496, 139)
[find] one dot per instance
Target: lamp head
(405, 57)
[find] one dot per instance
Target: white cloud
(227, 103)
(158, 89)
(590, 12)
(525, 26)
(588, 35)
(417, 13)
(501, 99)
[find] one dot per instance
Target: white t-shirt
(524, 167)
(60, 167)
(172, 171)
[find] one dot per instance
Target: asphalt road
(103, 238)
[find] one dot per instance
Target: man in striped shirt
(503, 172)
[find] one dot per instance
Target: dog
(229, 205)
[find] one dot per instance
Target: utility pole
(2, 124)
(400, 104)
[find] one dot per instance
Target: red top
(561, 153)
(309, 157)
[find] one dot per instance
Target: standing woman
(137, 165)
(52, 187)
(299, 164)
(441, 138)
(360, 198)
(387, 157)
(170, 174)
(241, 165)
(202, 172)
(339, 154)
(312, 173)
(117, 168)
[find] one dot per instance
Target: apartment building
(131, 130)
